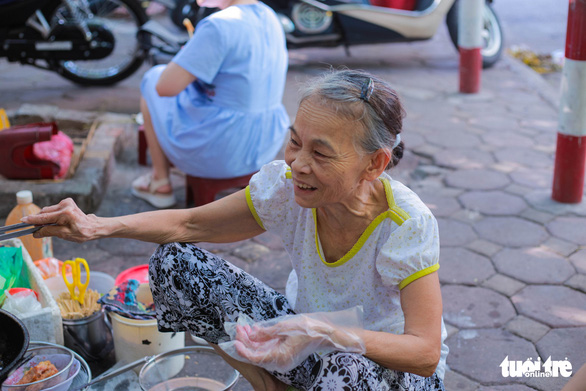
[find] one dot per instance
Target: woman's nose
(300, 163)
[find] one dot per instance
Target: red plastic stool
(142, 146)
(203, 190)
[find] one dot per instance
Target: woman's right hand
(68, 222)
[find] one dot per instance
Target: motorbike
(91, 42)
(323, 23)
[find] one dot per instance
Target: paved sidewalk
(513, 262)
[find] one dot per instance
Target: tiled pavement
(513, 262)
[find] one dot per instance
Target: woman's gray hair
(362, 97)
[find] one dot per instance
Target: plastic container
(139, 273)
(201, 369)
(85, 373)
(49, 267)
(37, 248)
(73, 372)
(100, 282)
(60, 357)
(134, 339)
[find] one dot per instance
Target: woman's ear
(379, 160)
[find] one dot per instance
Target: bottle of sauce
(37, 248)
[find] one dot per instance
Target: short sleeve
(411, 252)
(204, 53)
(270, 197)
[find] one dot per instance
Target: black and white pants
(196, 291)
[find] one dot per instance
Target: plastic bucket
(100, 282)
(134, 338)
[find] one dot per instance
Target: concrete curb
(90, 181)
(533, 79)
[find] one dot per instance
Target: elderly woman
(355, 237)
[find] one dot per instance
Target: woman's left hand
(287, 343)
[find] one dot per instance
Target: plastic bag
(20, 303)
(10, 266)
(49, 267)
(282, 343)
(57, 150)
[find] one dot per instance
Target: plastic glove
(283, 343)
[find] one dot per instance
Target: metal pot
(14, 340)
(91, 337)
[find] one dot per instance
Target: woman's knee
(177, 257)
(165, 259)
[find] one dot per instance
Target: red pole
(470, 44)
(570, 159)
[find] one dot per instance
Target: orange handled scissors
(76, 278)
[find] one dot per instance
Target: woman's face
(325, 166)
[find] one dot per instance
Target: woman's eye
(319, 154)
(292, 141)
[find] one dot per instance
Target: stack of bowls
(62, 358)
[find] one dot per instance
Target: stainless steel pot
(91, 337)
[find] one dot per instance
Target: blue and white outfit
(231, 120)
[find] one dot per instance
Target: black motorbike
(91, 42)
(311, 23)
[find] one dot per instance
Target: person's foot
(157, 192)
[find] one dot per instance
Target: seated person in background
(355, 236)
(215, 110)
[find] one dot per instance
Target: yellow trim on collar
(288, 174)
(417, 275)
(399, 215)
(252, 208)
(395, 213)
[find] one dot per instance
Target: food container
(139, 273)
(201, 369)
(60, 357)
(91, 337)
(84, 375)
(136, 338)
(100, 282)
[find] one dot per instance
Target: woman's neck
(359, 209)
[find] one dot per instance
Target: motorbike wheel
(492, 34)
(122, 18)
(184, 9)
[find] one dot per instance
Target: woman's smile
(303, 186)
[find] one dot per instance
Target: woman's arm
(225, 220)
(173, 80)
(418, 349)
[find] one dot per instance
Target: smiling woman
(355, 237)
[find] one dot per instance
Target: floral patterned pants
(196, 291)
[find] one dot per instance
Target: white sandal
(158, 200)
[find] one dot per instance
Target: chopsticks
(20, 231)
